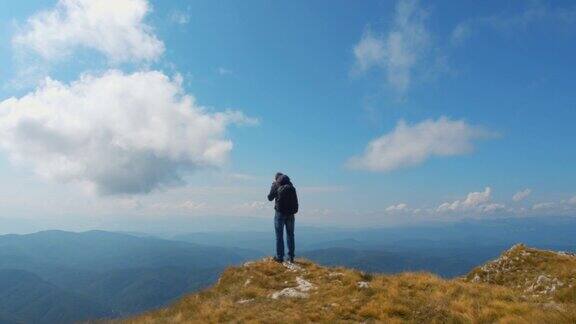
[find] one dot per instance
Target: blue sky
(466, 104)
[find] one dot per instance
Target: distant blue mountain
(30, 299)
(59, 277)
(448, 249)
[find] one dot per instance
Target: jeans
(281, 220)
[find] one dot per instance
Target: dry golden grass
(243, 295)
(538, 274)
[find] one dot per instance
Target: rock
(300, 291)
(293, 267)
(303, 285)
(363, 284)
(244, 301)
(290, 293)
(335, 274)
(544, 284)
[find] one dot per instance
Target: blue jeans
(281, 220)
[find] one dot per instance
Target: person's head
(278, 175)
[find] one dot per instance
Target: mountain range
(57, 276)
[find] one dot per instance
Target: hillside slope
(26, 298)
(66, 277)
(265, 291)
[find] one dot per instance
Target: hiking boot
(277, 259)
(291, 259)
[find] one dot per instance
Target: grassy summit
(536, 274)
(507, 290)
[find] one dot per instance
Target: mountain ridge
(265, 291)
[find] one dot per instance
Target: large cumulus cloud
(115, 132)
(114, 28)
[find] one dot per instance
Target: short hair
(278, 174)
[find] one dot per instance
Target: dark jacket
(290, 203)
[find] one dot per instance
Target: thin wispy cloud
(543, 205)
(224, 71)
(410, 145)
(510, 23)
(521, 195)
(398, 51)
(179, 17)
(397, 208)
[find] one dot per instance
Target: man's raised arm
(273, 191)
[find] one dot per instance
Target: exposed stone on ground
(544, 285)
(300, 291)
(244, 301)
(303, 285)
(291, 266)
(363, 284)
(335, 274)
(290, 293)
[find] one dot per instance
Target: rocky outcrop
(535, 273)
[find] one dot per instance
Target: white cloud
(562, 207)
(224, 71)
(370, 52)
(544, 205)
(476, 198)
(493, 207)
(460, 33)
(473, 201)
(116, 132)
(508, 23)
(113, 27)
(410, 145)
(397, 208)
(180, 17)
(521, 195)
(399, 50)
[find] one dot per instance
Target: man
(286, 205)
